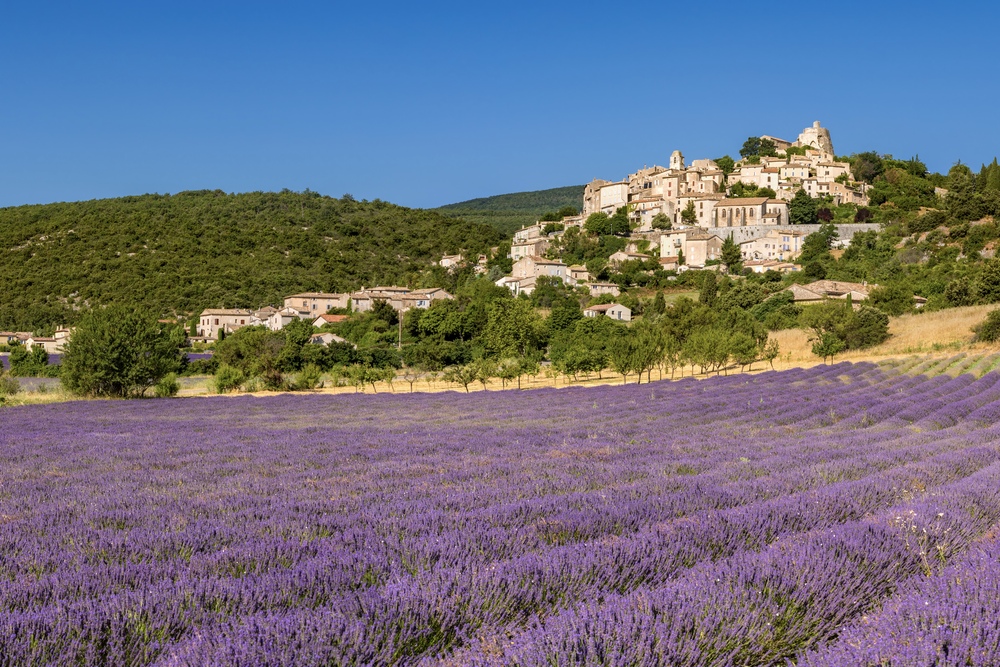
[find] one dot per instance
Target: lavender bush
(800, 517)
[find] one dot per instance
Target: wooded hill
(177, 254)
(508, 212)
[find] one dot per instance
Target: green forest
(507, 213)
(177, 254)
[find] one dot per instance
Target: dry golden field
(924, 335)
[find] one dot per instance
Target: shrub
(167, 386)
(867, 327)
(989, 329)
(8, 384)
(228, 378)
(308, 378)
(25, 363)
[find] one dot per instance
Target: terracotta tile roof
(315, 295)
(225, 311)
(333, 319)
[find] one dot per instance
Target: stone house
(669, 263)
(615, 311)
(774, 244)
(282, 318)
(618, 258)
(765, 265)
(697, 245)
(325, 339)
(830, 289)
(739, 212)
(842, 194)
(578, 273)
(703, 206)
(229, 320)
(597, 289)
(316, 302)
(533, 266)
(49, 344)
(527, 233)
(536, 247)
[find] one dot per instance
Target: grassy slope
(944, 331)
(508, 212)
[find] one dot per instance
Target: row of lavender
(741, 520)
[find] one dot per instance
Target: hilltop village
(681, 216)
(673, 219)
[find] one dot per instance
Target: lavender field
(840, 515)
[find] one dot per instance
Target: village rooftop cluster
(759, 225)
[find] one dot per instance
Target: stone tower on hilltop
(816, 137)
(677, 161)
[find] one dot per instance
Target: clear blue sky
(429, 103)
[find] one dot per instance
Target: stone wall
(751, 232)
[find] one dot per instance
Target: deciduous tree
(120, 351)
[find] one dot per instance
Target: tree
(564, 314)
(867, 166)
(659, 304)
(961, 292)
(751, 147)
(709, 289)
(988, 286)
(512, 328)
(383, 310)
(622, 355)
(770, 352)
(661, 221)
(485, 369)
(894, 299)
(708, 347)
(508, 370)
(731, 255)
(827, 345)
(802, 209)
(255, 351)
(744, 350)
(726, 164)
(25, 363)
(816, 246)
(865, 327)
(598, 223)
(463, 375)
(120, 351)
(620, 224)
(767, 148)
(689, 215)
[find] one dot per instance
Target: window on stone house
(216, 320)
